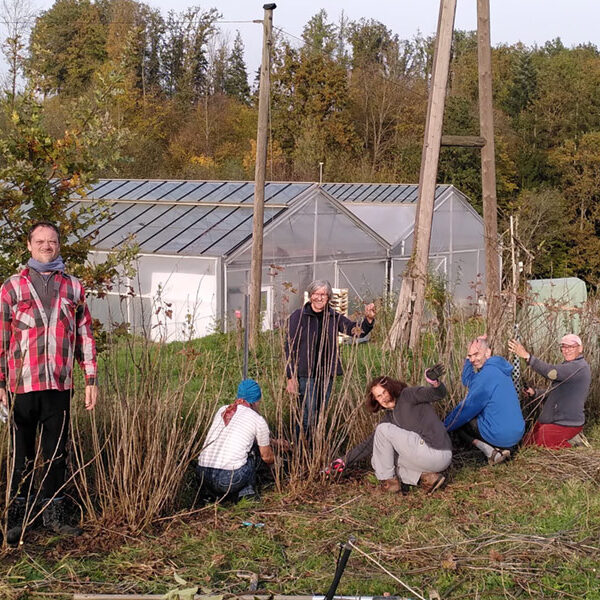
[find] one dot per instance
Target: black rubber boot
(16, 516)
(55, 518)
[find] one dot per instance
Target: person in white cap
(562, 418)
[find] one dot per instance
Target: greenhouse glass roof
(214, 218)
(209, 218)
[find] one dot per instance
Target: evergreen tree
(218, 66)
(320, 36)
(523, 86)
(184, 53)
(236, 76)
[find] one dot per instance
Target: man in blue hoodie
(490, 416)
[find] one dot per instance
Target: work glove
(435, 373)
(336, 467)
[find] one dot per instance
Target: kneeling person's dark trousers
(225, 482)
(50, 411)
(470, 431)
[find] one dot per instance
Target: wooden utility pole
(488, 168)
(259, 177)
(411, 301)
(412, 293)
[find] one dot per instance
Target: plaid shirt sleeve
(85, 347)
(5, 333)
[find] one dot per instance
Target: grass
(526, 529)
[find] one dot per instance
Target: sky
(528, 21)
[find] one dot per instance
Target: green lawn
(526, 529)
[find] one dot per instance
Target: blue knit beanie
(249, 391)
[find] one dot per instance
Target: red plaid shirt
(37, 352)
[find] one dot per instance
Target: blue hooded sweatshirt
(493, 400)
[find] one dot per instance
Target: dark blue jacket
(301, 342)
(491, 398)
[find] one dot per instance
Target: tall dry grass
(131, 457)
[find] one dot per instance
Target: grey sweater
(414, 412)
(569, 387)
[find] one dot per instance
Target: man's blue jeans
(313, 394)
(225, 482)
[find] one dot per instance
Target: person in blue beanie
(490, 416)
(227, 464)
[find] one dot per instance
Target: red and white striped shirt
(37, 351)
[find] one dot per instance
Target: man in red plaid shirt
(45, 325)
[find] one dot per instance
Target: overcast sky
(528, 21)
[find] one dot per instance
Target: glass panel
(365, 282)
(325, 271)
(441, 228)
(339, 237)
(287, 285)
(165, 190)
(467, 228)
(466, 276)
(282, 194)
(390, 221)
(398, 268)
(112, 310)
(127, 190)
(292, 239)
(107, 189)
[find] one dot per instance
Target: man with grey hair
(312, 351)
(489, 417)
(561, 421)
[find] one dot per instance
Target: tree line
(173, 97)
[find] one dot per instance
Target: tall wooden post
(412, 293)
(488, 168)
(259, 177)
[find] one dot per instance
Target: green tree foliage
(320, 36)
(184, 53)
(386, 85)
(578, 162)
(236, 76)
(40, 172)
(541, 216)
(352, 95)
(68, 44)
(522, 89)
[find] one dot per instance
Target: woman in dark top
(410, 445)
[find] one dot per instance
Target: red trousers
(550, 435)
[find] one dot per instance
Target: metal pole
(259, 176)
(339, 571)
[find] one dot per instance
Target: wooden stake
(488, 168)
(259, 178)
(412, 293)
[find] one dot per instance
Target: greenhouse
(194, 241)
(457, 250)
